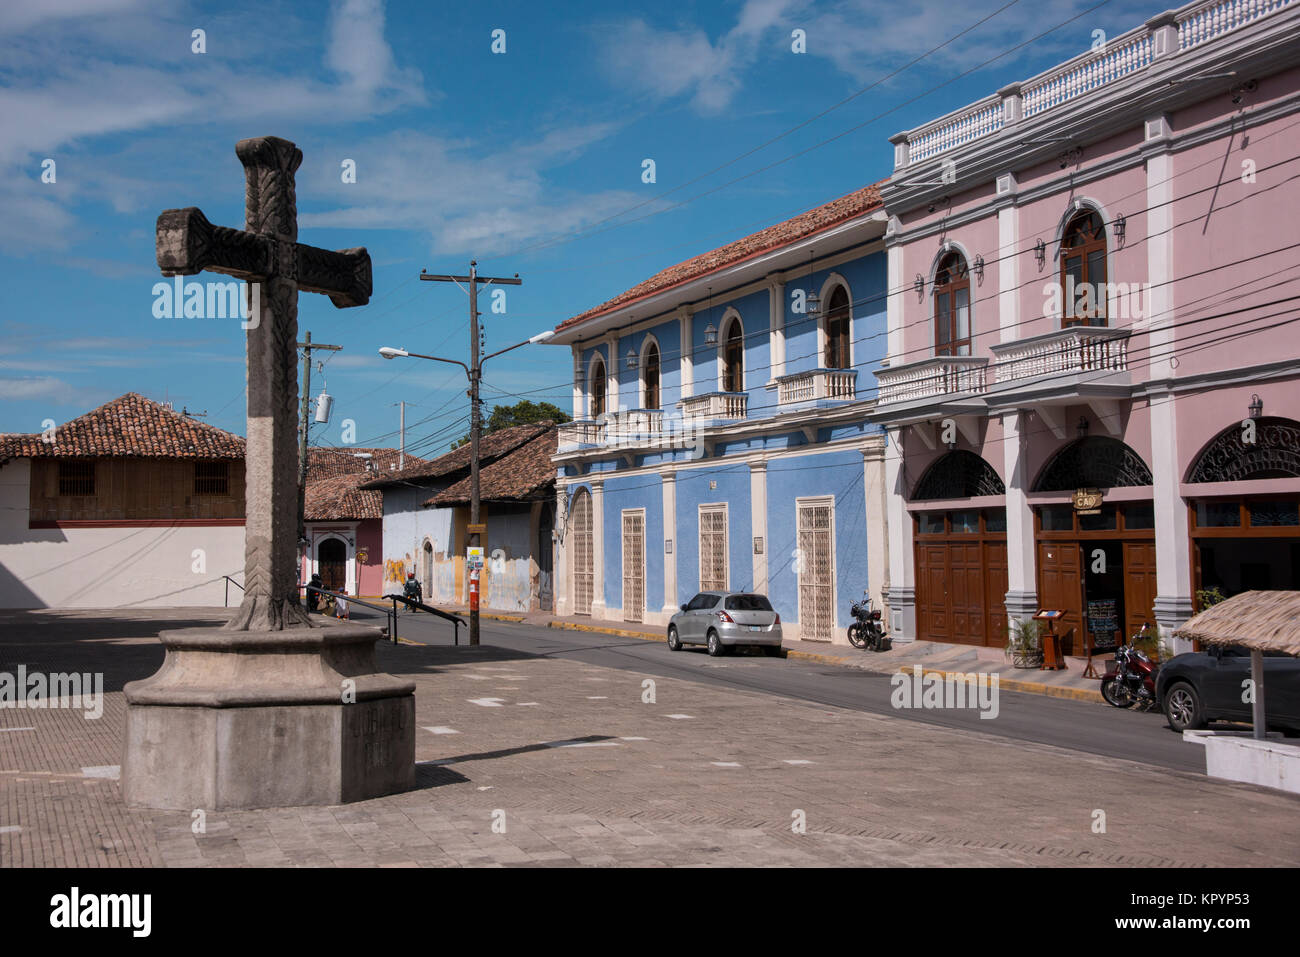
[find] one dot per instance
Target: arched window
(596, 386)
(733, 358)
(650, 365)
(958, 474)
(952, 307)
(1083, 271)
(837, 330)
(1095, 461)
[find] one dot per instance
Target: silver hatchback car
(723, 619)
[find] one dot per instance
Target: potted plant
(1156, 645)
(1024, 642)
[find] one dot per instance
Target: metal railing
(230, 581)
(390, 616)
(414, 605)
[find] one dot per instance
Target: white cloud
(864, 41)
(71, 82)
(463, 198)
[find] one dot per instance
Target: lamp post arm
(526, 342)
(455, 362)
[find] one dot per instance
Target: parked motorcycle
(867, 630)
(1132, 677)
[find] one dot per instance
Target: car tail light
(778, 620)
(723, 616)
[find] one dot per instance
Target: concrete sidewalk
(932, 656)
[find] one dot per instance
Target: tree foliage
(523, 412)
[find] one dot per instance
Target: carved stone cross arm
(188, 244)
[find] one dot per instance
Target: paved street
(537, 755)
(1095, 728)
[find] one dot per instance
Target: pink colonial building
(1092, 389)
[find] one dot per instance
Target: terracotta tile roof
(337, 498)
(335, 477)
(806, 224)
(129, 426)
(491, 446)
(525, 474)
(348, 460)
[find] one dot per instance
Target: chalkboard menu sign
(1103, 621)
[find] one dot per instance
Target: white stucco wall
(407, 524)
(109, 567)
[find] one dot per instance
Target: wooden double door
(1124, 570)
(961, 590)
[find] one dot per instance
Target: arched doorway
(332, 561)
(961, 554)
(583, 553)
(1097, 564)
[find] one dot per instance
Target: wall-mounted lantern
(1121, 227)
(1256, 406)
(710, 334)
(979, 267)
(1040, 252)
(631, 359)
(919, 285)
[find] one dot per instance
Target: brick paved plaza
(580, 771)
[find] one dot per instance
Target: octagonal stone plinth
(246, 719)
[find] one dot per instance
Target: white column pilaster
(612, 403)
(598, 548)
(1008, 269)
(560, 565)
(758, 524)
(877, 518)
(579, 384)
(894, 304)
(902, 575)
(686, 326)
(1022, 584)
(776, 319)
(1173, 603)
(669, 480)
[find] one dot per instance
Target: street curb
(1013, 684)
(1010, 684)
(622, 632)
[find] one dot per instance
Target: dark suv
(1203, 686)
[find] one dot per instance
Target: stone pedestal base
(238, 719)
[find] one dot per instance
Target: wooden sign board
(1087, 501)
(476, 529)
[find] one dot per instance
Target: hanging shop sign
(1087, 501)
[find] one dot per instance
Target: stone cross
(267, 251)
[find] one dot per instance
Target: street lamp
(474, 373)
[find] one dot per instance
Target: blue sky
(529, 160)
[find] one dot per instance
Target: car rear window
(748, 603)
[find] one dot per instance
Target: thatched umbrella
(1259, 620)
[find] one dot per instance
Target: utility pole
(306, 348)
(475, 529)
(401, 448)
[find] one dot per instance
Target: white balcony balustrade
(837, 384)
(714, 406)
(1083, 349)
(931, 378)
(581, 432)
(1126, 55)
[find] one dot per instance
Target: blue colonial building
(721, 436)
